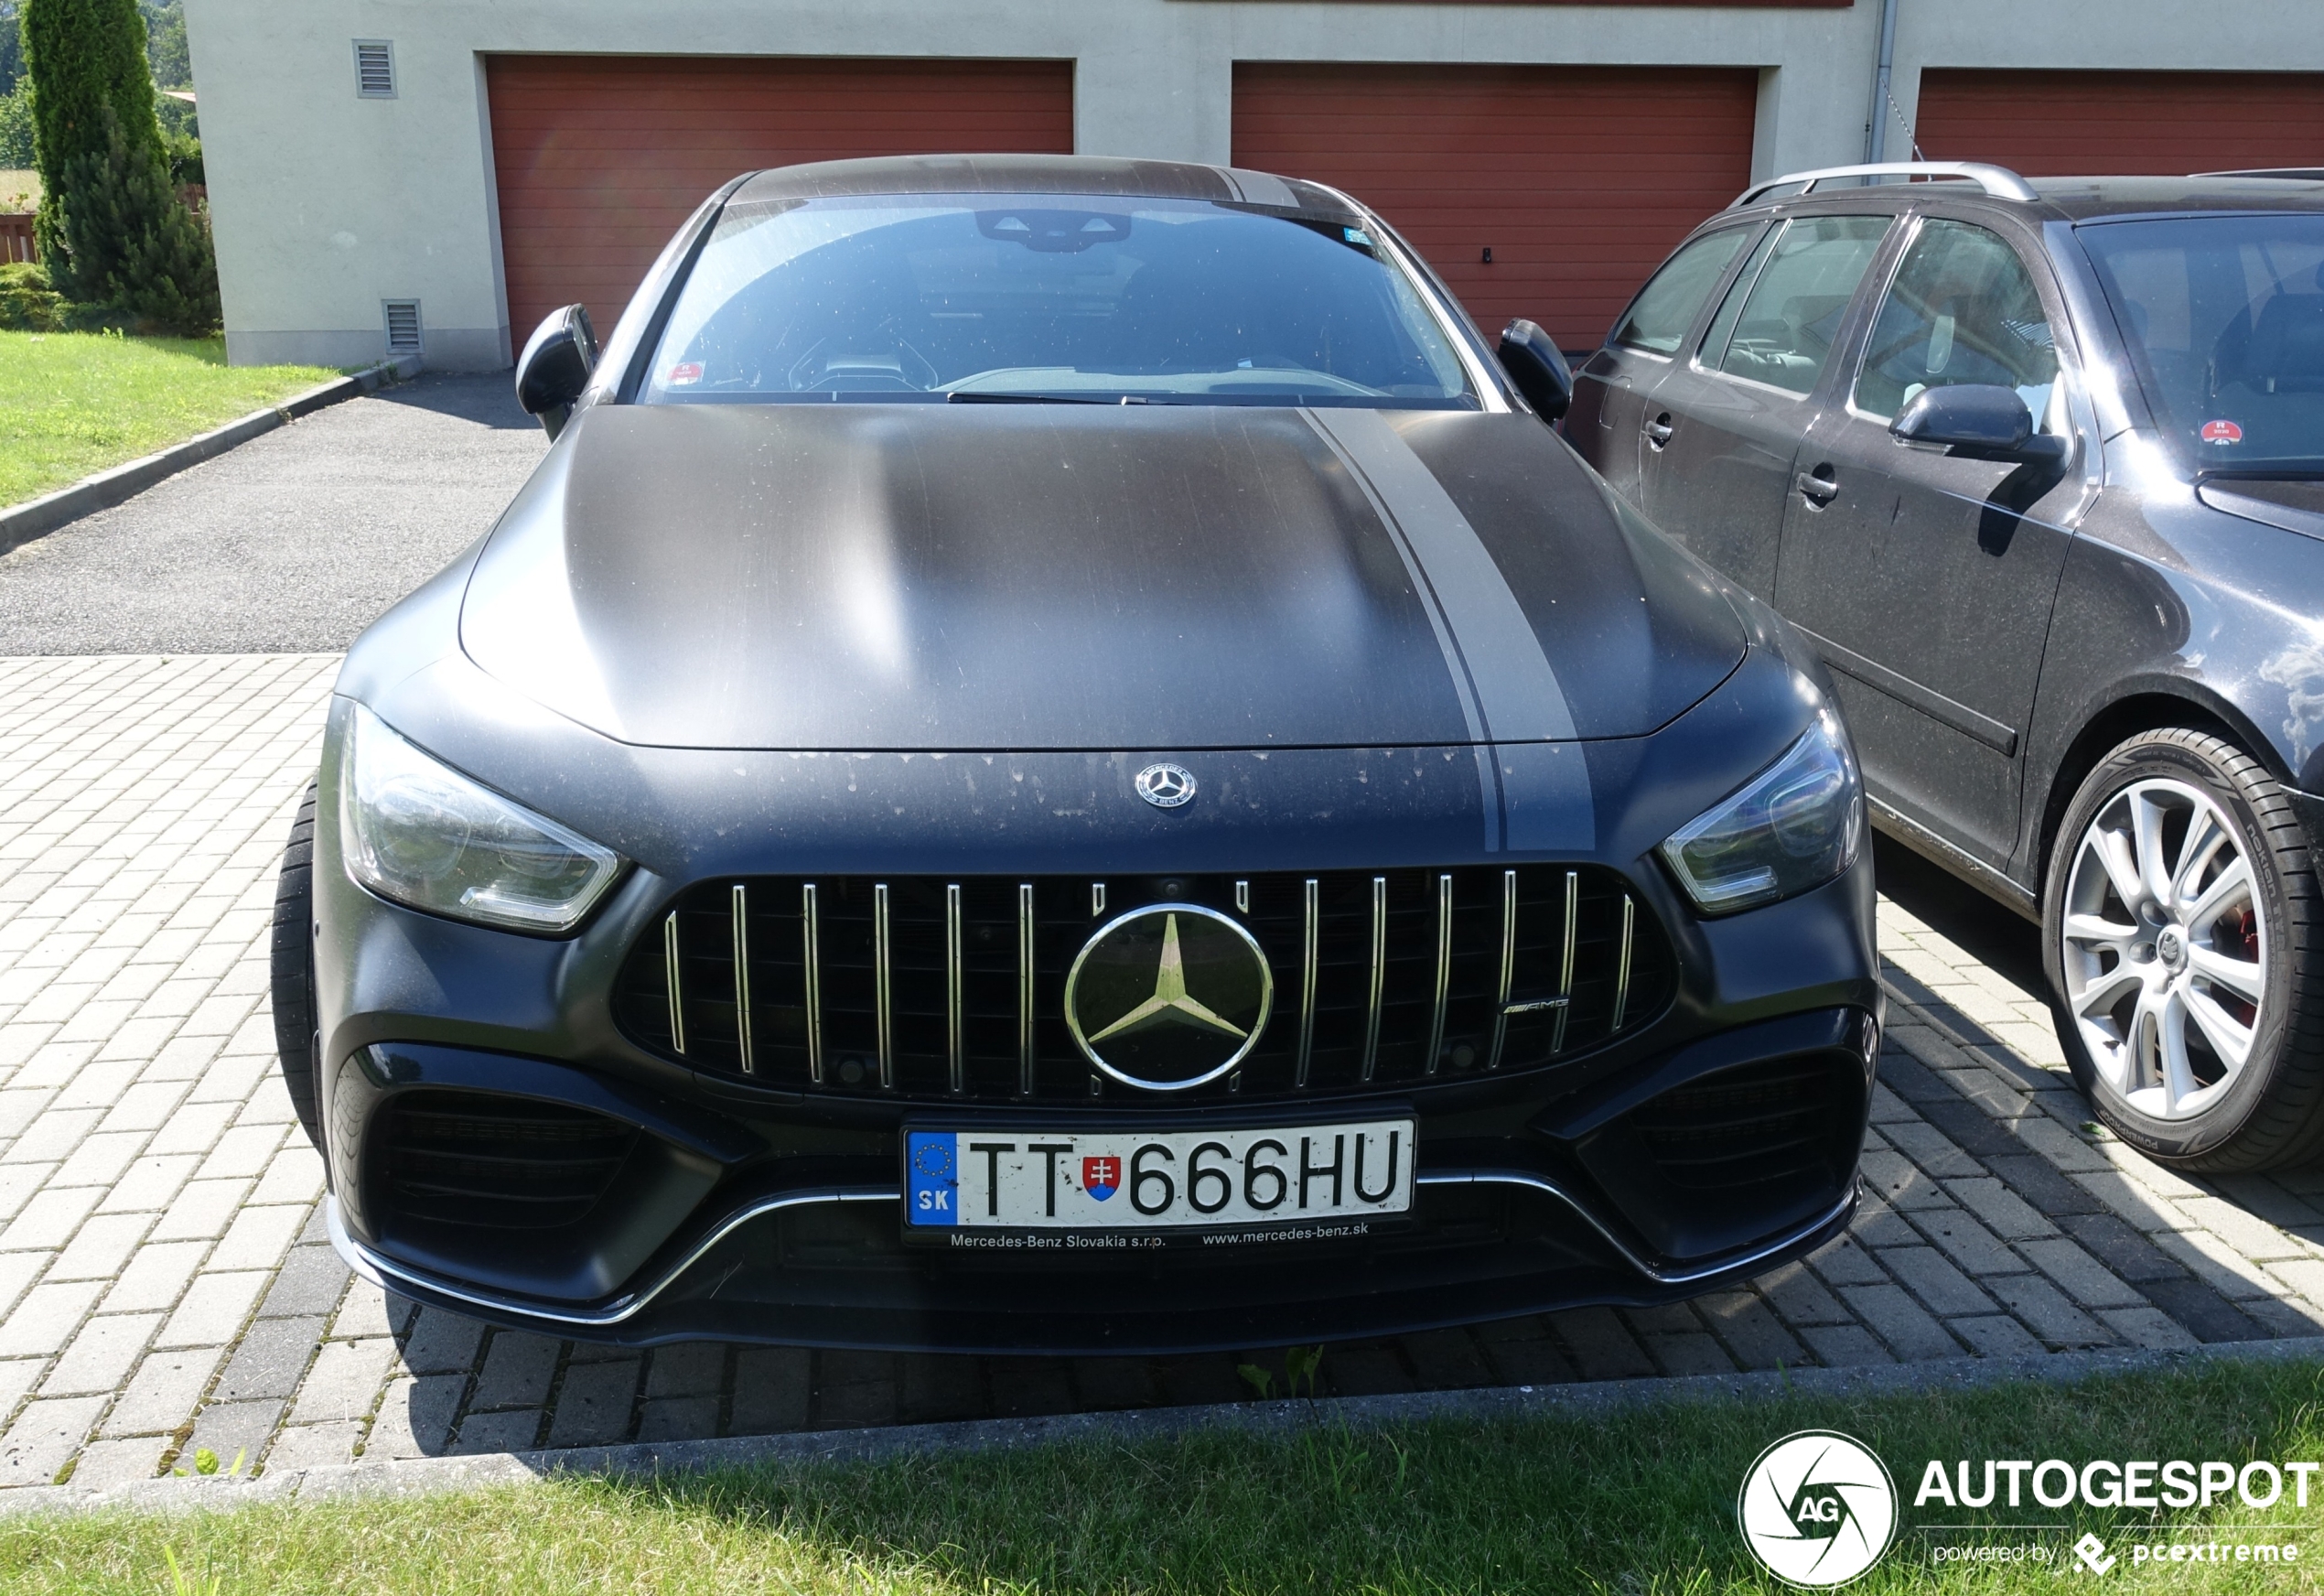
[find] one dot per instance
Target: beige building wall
(326, 205)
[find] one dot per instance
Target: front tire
(2186, 961)
(296, 1041)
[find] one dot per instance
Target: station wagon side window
(1658, 318)
(1962, 308)
(1779, 322)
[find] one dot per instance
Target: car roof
(2079, 198)
(1062, 174)
(2083, 198)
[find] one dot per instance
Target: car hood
(1053, 577)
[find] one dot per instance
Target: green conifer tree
(158, 264)
(111, 231)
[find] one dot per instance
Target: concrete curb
(21, 524)
(419, 1476)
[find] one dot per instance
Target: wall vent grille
(403, 326)
(374, 68)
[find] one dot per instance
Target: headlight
(423, 834)
(1792, 827)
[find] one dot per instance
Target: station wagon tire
(297, 1041)
(2194, 1016)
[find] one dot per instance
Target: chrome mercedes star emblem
(1165, 786)
(1168, 997)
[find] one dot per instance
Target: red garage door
(600, 158)
(1580, 180)
(2088, 124)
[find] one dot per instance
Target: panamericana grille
(478, 1157)
(926, 988)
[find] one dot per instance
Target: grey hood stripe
(1537, 796)
(1516, 691)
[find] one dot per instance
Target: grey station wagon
(2039, 467)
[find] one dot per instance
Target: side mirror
(1976, 421)
(555, 366)
(1538, 368)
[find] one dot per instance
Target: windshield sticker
(1356, 235)
(2222, 432)
(689, 371)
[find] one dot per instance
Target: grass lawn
(1640, 1504)
(74, 402)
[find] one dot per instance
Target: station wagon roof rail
(2290, 174)
(1998, 181)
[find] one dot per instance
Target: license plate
(959, 1182)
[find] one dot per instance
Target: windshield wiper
(998, 398)
(2285, 468)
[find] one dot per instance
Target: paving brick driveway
(164, 1285)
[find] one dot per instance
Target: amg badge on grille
(1168, 997)
(1165, 786)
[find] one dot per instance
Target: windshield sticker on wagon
(2222, 432)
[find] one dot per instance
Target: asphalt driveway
(291, 543)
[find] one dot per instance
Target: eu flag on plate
(932, 1161)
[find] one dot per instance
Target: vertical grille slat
(1566, 961)
(1508, 965)
(811, 971)
(669, 964)
(742, 976)
(955, 977)
(1443, 972)
(1622, 963)
(883, 966)
(955, 990)
(1379, 974)
(1025, 1008)
(1309, 925)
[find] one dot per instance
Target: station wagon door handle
(1819, 487)
(1658, 431)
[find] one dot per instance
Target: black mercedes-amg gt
(1055, 759)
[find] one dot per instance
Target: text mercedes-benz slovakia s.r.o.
(1056, 758)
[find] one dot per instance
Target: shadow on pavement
(487, 398)
(2001, 938)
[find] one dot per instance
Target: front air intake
(1732, 1156)
(484, 1160)
(1772, 1123)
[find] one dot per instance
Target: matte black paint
(1045, 576)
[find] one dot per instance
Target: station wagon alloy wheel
(2163, 949)
(2180, 936)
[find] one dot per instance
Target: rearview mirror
(1976, 421)
(554, 369)
(1537, 367)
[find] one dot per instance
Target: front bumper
(691, 1204)
(781, 1222)
(1223, 1320)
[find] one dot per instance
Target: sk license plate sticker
(997, 1181)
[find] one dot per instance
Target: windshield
(921, 299)
(2224, 317)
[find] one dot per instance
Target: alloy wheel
(2163, 949)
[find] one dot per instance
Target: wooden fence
(16, 238)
